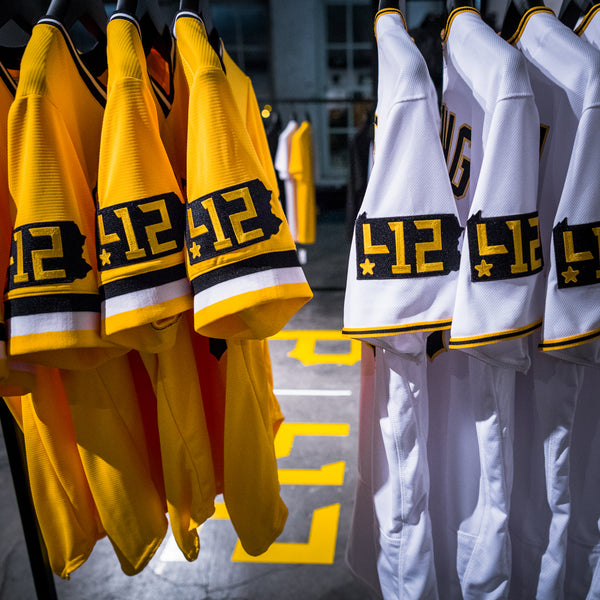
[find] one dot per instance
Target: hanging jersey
(241, 258)
(561, 69)
(490, 125)
(404, 254)
(7, 91)
(242, 89)
(248, 428)
(16, 377)
(63, 502)
(139, 108)
(282, 164)
(140, 209)
(571, 219)
(52, 302)
(301, 169)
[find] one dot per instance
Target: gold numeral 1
(400, 267)
(134, 250)
(222, 241)
(20, 276)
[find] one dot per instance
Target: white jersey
(404, 257)
(563, 72)
(282, 163)
(490, 128)
(583, 567)
(405, 250)
(490, 134)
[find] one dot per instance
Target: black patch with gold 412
(406, 247)
(577, 253)
(229, 219)
(504, 247)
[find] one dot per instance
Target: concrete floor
(317, 379)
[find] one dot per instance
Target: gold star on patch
(195, 250)
(367, 267)
(483, 268)
(570, 275)
(105, 257)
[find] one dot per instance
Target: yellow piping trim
(453, 14)
(569, 342)
(532, 11)
(480, 340)
(386, 11)
(386, 330)
(586, 20)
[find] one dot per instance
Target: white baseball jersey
(488, 107)
(404, 260)
(490, 132)
(281, 163)
(404, 255)
(582, 573)
(563, 72)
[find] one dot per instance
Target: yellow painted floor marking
(320, 548)
(306, 340)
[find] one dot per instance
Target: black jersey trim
(586, 19)
(525, 19)
(8, 80)
(97, 89)
(394, 329)
(495, 337)
(453, 14)
(143, 281)
(569, 342)
(51, 303)
(255, 264)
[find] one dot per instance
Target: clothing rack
(43, 578)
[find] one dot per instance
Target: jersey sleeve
(241, 259)
(52, 302)
(140, 210)
(500, 287)
(572, 310)
(404, 254)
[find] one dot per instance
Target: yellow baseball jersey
(248, 367)
(111, 429)
(241, 258)
(7, 91)
(64, 505)
(16, 378)
(140, 210)
(301, 169)
(52, 302)
(145, 277)
(243, 92)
